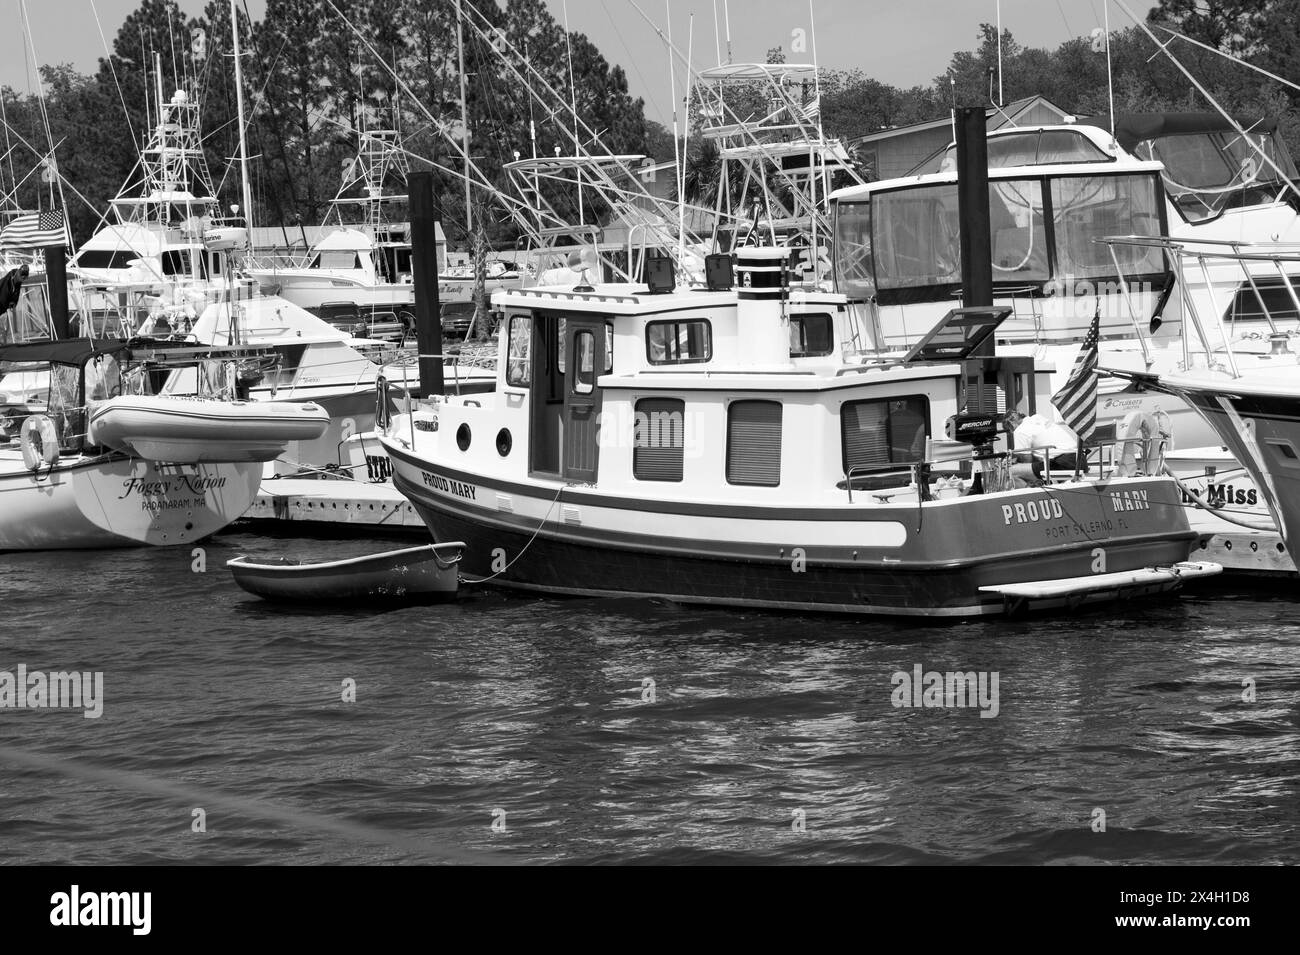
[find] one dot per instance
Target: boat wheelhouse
(723, 446)
(1052, 191)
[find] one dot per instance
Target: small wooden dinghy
(399, 574)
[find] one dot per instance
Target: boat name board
(439, 483)
(156, 495)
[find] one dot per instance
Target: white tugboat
(722, 447)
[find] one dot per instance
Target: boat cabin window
(103, 378)
(335, 259)
(176, 262)
(915, 237)
(584, 362)
(855, 274)
(1016, 226)
(106, 258)
(906, 248)
(811, 335)
(518, 351)
(1088, 207)
(881, 433)
(1210, 171)
(658, 439)
(754, 443)
(609, 347)
(678, 342)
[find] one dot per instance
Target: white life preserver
(40, 442)
(1137, 427)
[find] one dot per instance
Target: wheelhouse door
(585, 348)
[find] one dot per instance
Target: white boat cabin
(755, 394)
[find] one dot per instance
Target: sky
(901, 42)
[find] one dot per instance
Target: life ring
(1137, 427)
(40, 442)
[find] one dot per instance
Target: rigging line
(458, 146)
(9, 149)
(604, 178)
(45, 116)
(121, 98)
(1068, 31)
(1229, 56)
(745, 130)
(633, 59)
(171, 39)
(555, 94)
(1263, 154)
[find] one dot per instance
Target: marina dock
(353, 503)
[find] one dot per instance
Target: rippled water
(534, 707)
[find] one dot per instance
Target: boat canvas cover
(1134, 128)
(68, 351)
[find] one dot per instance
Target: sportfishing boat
(722, 446)
(59, 489)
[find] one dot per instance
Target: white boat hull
(191, 430)
(114, 501)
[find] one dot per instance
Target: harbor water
(520, 729)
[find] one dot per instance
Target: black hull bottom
(561, 567)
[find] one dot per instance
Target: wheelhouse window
(884, 432)
(754, 443)
(1016, 227)
(1040, 228)
(854, 268)
(176, 262)
(1209, 171)
(336, 259)
(678, 342)
(106, 259)
(584, 361)
(915, 237)
(811, 335)
(519, 367)
(658, 439)
(1089, 207)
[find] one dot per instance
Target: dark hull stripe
(1173, 545)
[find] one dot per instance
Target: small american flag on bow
(35, 231)
(1077, 399)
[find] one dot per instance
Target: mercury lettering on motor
(440, 483)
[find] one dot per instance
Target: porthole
(504, 442)
(463, 437)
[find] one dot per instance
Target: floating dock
(353, 504)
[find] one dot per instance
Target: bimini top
(1134, 128)
(67, 351)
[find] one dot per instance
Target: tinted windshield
(1208, 172)
(904, 244)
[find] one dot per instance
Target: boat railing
(1202, 253)
(1005, 470)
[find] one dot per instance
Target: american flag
(35, 231)
(1077, 399)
